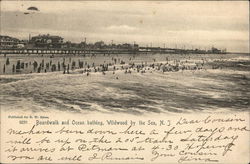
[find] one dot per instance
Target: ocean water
(225, 89)
(29, 60)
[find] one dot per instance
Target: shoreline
(111, 59)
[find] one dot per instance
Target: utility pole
(85, 40)
(134, 48)
(29, 37)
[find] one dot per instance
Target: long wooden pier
(65, 51)
(75, 51)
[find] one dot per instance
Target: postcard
(124, 82)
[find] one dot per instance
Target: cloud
(121, 28)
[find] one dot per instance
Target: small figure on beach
(4, 68)
(7, 61)
(68, 69)
(13, 68)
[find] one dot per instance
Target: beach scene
(68, 62)
(145, 83)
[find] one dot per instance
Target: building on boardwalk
(46, 41)
(9, 42)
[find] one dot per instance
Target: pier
(64, 51)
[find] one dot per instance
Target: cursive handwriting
(207, 139)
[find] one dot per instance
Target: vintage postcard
(124, 82)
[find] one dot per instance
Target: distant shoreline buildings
(10, 42)
(56, 42)
(51, 42)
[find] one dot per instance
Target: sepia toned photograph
(126, 59)
(120, 57)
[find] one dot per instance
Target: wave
(135, 93)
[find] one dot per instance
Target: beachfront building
(46, 41)
(128, 46)
(135, 47)
(214, 50)
(8, 42)
(100, 45)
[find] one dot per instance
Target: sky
(185, 24)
